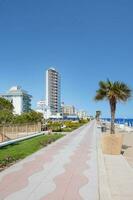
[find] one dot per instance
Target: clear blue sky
(86, 40)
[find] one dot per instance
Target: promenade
(65, 170)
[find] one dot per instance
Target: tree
(35, 116)
(114, 92)
(29, 117)
(98, 113)
(6, 111)
(6, 116)
(6, 105)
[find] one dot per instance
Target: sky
(85, 40)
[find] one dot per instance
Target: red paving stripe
(69, 183)
(16, 181)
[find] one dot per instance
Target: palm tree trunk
(113, 109)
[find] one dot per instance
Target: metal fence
(10, 132)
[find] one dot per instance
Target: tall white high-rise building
(53, 91)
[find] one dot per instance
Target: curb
(104, 191)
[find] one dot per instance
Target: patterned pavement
(65, 170)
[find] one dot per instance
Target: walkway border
(104, 190)
(2, 144)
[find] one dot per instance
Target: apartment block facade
(53, 91)
(20, 99)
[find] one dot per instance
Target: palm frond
(113, 90)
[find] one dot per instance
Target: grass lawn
(12, 153)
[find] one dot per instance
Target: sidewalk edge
(104, 191)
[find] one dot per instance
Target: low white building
(20, 99)
(43, 108)
(68, 110)
(82, 114)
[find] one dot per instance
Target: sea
(126, 121)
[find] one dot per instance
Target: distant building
(43, 108)
(53, 93)
(68, 110)
(20, 99)
(82, 114)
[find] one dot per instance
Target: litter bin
(103, 128)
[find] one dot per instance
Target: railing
(10, 132)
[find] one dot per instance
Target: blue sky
(85, 40)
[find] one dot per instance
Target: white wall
(18, 105)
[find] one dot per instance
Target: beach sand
(127, 148)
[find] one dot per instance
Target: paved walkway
(65, 170)
(120, 177)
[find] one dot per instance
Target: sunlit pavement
(65, 170)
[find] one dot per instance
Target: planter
(112, 143)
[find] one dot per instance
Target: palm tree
(98, 113)
(114, 92)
